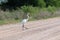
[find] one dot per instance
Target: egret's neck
(27, 16)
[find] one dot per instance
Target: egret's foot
(24, 28)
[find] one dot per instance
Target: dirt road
(48, 29)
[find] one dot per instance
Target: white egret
(25, 19)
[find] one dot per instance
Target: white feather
(24, 21)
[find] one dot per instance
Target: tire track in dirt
(13, 31)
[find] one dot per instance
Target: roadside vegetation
(11, 11)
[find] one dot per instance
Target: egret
(25, 19)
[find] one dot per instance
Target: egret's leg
(22, 26)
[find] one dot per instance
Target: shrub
(32, 10)
(51, 9)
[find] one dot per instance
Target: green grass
(2, 22)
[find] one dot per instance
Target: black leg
(23, 27)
